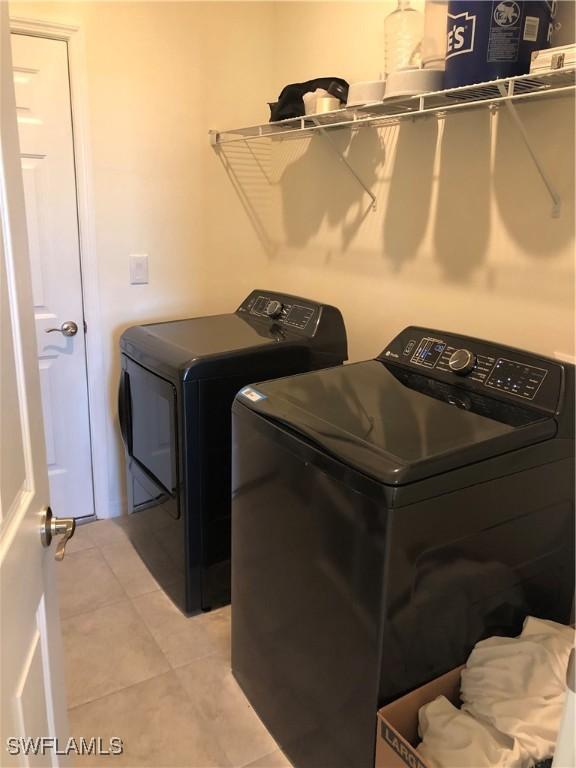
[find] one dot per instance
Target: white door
(32, 698)
(45, 128)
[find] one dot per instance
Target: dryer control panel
(300, 315)
(478, 365)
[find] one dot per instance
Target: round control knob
(274, 309)
(462, 361)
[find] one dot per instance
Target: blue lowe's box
(490, 40)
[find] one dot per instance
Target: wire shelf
(555, 83)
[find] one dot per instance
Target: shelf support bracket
(343, 159)
(516, 119)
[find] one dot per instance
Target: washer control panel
(287, 311)
(516, 378)
(488, 368)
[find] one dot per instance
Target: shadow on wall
(462, 226)
(316, 189)
(367, 155)
(410, 191)
(524, 190)
(444, 181)
(248, 166)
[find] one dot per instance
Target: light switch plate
(138, 268)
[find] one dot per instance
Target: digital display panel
(299, 316)
(260, 305)
(429, 352)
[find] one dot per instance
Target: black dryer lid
(394, 425)
(181, 344)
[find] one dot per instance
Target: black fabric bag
(291, 104)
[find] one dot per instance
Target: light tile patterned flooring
(138, 669)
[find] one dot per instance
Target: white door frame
(97, 387)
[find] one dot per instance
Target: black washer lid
(393, 425)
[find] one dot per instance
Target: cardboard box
(551, 59)
(397, 723)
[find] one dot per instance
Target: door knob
(51, 526)
(68, 328)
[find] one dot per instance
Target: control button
(274, 309)
(462, 361)
(409, 347)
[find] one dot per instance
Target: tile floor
(136, 668)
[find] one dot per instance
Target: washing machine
(386, 516)
(178, 380)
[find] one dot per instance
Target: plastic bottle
(403, 33)
(434, 40)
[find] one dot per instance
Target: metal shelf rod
(481, 103)
(344, 160)
(516, 119)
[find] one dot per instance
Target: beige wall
(462, 238)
